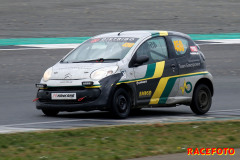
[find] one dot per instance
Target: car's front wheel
(121, 103)
(48, 112)
(202, 99)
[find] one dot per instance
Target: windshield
(101, 50)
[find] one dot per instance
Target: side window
(155, 49)
(180, 45)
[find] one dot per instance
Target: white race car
(123, 71)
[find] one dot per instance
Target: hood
(76, 70)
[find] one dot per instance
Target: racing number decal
(178, 45)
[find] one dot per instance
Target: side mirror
(140, 60)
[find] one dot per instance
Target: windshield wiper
(97, 60)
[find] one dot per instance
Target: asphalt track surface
(21, 69)
(80, 18)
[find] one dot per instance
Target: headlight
(103, 72)
(47, 74)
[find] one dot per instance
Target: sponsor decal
(211, 151)
(187, 87)
(194, 53)
(178, 45)
(66, 81)
(119, 39)
(95, 40)
(189, 65)
(141, 82)
(145, 93)
(193, 48)
(116, 39)
(152, 45)
(63, 96)
(129, 45)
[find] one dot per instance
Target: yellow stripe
(159, 69)
(181, 75)
(159, 90)
(92, 86)
(189, 74)
(162, 84)
(157, 73)
(163, 33)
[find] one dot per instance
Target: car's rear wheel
(121, 103)
(48, 112)
(202, 99)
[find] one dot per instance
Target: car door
(149, 83)
(187, 64)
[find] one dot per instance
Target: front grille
(62, 101)
(73, 88)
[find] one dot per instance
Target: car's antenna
(120, 33)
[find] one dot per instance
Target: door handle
(173, 66)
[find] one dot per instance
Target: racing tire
(202, 99)
(121, 104)
(136, 109)
(50, 113)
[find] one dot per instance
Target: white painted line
(22, 124)
(220, 41)
(230, 110)
(35, 123)
(22, 49)
(4, 130)
(43, 46)
(73, 45)
(139, 120)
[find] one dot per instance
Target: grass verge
(118, 142)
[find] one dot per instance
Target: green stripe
(169, 87)
(66, 40)
(154, 34)
(150, 70)
(215, 36)
(26, 41)
(139, 79)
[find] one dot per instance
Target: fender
(108, 86)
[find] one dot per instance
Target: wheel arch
(207, 82)
(130, 90)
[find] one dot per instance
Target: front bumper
(94, 98)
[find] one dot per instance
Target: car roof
(142, 34)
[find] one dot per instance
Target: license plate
(63, 96)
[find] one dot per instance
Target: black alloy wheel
(202, 99)
(121, 103)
